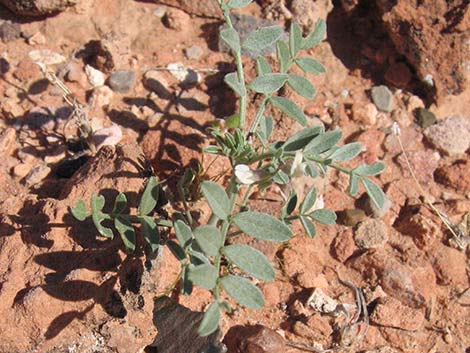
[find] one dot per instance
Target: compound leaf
(374, 191)
(346, 152)
(302, 86)
(127, 232)
(149, 197)
(217, 199)
(79, 211)
(209, 239)
(310, 65)
(295, 39)
(300, 139)
(204, 276)
(324, 216)
(289, 108)
(370, 170)
(232, 81)
(250, 260)
(150, 231)
(236, 4)
(262, 38)
(316, 36)
(283, 56)
(262, 66)
(323, 142)
(230, 37)
(262, 226)
(308, 201)
(120, 203)
(183, 233)
(268, 83)
(243, 291)
(308, 226)
(210, 321)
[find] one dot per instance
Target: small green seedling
(255, 160)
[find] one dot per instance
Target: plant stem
(240, 73)
(259, 115)
(334, 166)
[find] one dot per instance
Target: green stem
(259, 115)
(240, 72)
(334, 166)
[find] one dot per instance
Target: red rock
(398, 74)
(450, 266)
(27, 71)
(390, 312)
(371, 233)
(344, 245)
(254, 339)
(456, 176)
(208, 8)
(7, 140)
(423, 163)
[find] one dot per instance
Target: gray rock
(36, 175)
(9, 31)
(383, 98)
(245, 25)
(37, 7)
(425, 118)
(451, 136)
(371, 234)
(177, 330)
(122, 81)
(194, 52)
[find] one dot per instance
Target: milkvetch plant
(255, 160)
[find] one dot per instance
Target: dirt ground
(65, 289)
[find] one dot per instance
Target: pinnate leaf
(262, 38)
(210, 321)
(243, 291)
(149, 197)
(250, 260)
(217, 199)
(289, 108)
(262, 226)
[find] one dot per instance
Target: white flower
(319, 203)
(396, 129)
(298, 168)
(247, 176)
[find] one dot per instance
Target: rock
(95, 77)
(425, 118)
(122, 81)
(244, 25)
(21, 170)
(321, 302)
(7, 141)
(108, 136)
(383, 349)
(398, 75)
(390, 312)
(451, 136)
(364, 114)
(37, 39)
(417, 222)
(106, 54)
(349, 5)
(450, 266)
(74, 73)
(373, 211)
(46, 56)
(351, 217)
(9, 31)
(308, 12)
(160, 11)
(438, 49)
(56, 156)
(101, 97)
(156, 82)
(254, 339)
(184, 75)
(344, 245)
(37, 7)
(413, 103)
(423, 163)
(456, 175)
(383, 98)
(174, 337)
(36, 175)
(208, 8)
(194, 52)
(176, 19)
(371, 234)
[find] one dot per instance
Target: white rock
(95, 77)
(46, 56)
(322, 302)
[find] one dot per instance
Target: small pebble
(21, 170)
(122, 81)
(95, 77)
(383, 98)
(37, 175)
(425, 118)
(193, 52)
(9, 31)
